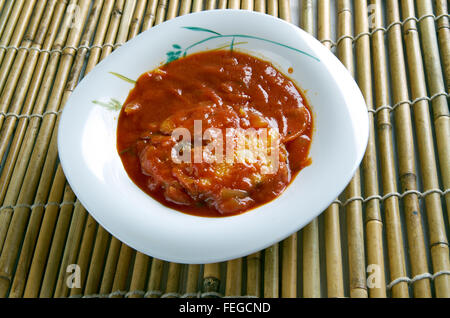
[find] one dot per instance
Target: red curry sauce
(224, 90)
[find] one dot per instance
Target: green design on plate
(177, 51)
(122, 77)
(113, 104)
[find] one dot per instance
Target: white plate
(87, 139)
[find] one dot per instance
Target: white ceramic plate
(87, 139)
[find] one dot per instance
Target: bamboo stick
(44, 254)
(6, 58)
(82, 261)
(436, 85)
(355, 238)
(260, 6)
(172, 9)
(285, 9)
(355, 234)
(222, 4)
(185, 7)
(210, 4)
(333, 254)
(438, 239)
(197, 6)
(26, 253)
(289, 267)
(6, 11)
(9, 26)
(154, 282)
(123, 33)
(110, 266)
(271, 271)
(272, 7)
(137, 19)
(405, 142)
(100, 35)
(211, 279)
(22, 70)
(307, 18)
(310, 234)
(247, 5)
(311, 260)
(122, 270)
(150, 15)
(374, 223)
(254, 275)
(97, 260)
(233, 285)
(192, 280)
(19, 219)
(234, 4)
(173, 280)
(69, 254)
(161, 12)
(139, 275)
(443, 26)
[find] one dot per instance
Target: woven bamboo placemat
(385, 236)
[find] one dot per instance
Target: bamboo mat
(385, 236)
